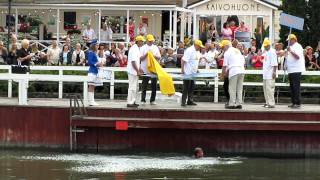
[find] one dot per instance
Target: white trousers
(133, 88)
(268, 90)
(235, 89)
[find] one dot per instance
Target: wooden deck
(164, 106)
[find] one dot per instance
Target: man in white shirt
(233, 68)
(89, 34)
(189, 65)
(133, 69)
(106, 33)
(53, 53)
(270, 66)
(295, 66)
(149, 47)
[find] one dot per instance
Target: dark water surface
(35, 165)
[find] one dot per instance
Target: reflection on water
(46, 166)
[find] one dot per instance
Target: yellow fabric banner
(165, 80)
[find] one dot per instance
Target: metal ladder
(77, 108)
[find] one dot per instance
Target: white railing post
(22, 97)
(216, 88)
(85, 93)
(60, 84)
(112, 85)
(9, 84)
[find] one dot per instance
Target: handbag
(19, 69)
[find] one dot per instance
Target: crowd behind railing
(115, 54)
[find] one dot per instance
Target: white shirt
(54, 54)
(106, 35)
(295, 65)
(270, 61)
(234, 61)
(89, 34)
(144, 50)
(191, 59)
(211, 58)
(203, 60)
(133, 56)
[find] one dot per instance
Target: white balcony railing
(23, 79)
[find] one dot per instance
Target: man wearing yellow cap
(133, 69)
(270, 66)
(189, 65)
(233, 68)
(295, 66)
(149, 47)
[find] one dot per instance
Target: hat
(224, 43)
(150, 37)
(292, 36)
(266, 43)
(198, 43)
(94, 42)
(140, 38)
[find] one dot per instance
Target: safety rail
(61, 78)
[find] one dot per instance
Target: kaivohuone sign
(233, 7)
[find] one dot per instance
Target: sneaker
(290, 106)
(269, 106)
(132, 105)
(93, 104)
(183, 105)
(192, 103)
(143, 103)
(238, 107)
(230, 107)
(153, 103)
(265, 105)
(296, 106)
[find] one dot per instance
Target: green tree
(314, 22)
(295, 8)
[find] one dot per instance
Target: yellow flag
(165, 80)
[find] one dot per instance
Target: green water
(34, 165)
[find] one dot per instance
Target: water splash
(109, 164)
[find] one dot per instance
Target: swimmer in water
(198, 152)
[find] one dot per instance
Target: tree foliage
(311, 14)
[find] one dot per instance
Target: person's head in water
(198, 152)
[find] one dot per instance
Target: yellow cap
(292, 36)
(198, 43)
(150, 37)
(140, 38)
(266, 43)
(224, 43)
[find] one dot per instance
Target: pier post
(60, 84)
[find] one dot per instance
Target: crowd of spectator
(115, 55)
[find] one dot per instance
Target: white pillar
(271, 37)
(182, 26)
(175, 23)
(195, 23)
(58, 25)
(16, 23)
(128, 17)
(170, 29)
(189, 24)
(99, 24)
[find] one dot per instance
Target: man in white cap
(270, 66)
(133, 69)
(149, 47)
(295, 66)
(189, 65)
(233, 68)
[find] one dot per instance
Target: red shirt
(258, 61)
(233, 29)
